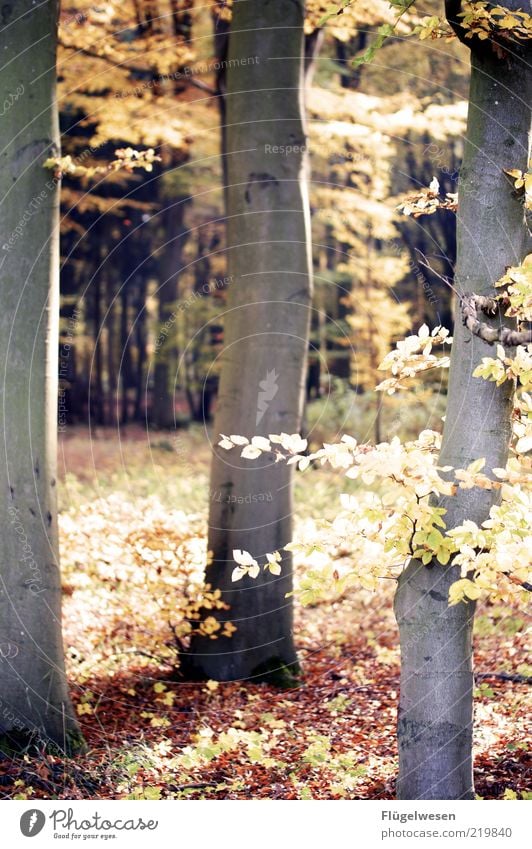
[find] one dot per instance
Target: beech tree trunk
(34, 701)
(436, 706)
(266, 338)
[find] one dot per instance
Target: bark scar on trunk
(6, 12)
(437, 596)
(301, 293)
(264, 179)
(29, 153)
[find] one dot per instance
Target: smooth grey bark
(34, 701)
(266, 337)
(436, 705)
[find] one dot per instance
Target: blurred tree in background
(140, 314)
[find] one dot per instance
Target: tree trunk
(435, 714)
(141, 346)
(125, 361)
(97, 405)
(163, 412)
(34, 701)
(112, 340)
(313, 45)
(266, 338)
(221, 43)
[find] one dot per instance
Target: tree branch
(143, 73)
(471, 305)
(523, 584)
(177, 788)
(201, 85)
(93, 54)
(504, 676)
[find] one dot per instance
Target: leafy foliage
(428, 201)
(413, 356)
(126, 158)
(484, 20)
(156, 567)
(522, 181)
(517, 365)
(398, 521)
(518, 294)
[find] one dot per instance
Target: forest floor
(133, 518)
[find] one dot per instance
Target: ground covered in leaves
(133, 548)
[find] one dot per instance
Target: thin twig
(445, 280)
(515, 678)
(178, 787)
(133, 69)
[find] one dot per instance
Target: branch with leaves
(500, 27)
(472, 305)
(385, 528)
(413, 356)
(480, 25)
(516, 300)
(127, 159)
(428, 201)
